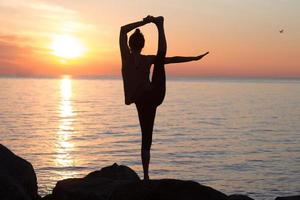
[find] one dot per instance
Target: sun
(67, 47)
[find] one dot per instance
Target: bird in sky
(281, 31)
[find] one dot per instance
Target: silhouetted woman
(147, 95)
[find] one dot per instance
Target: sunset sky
(80, 38)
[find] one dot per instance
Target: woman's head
(136, 41)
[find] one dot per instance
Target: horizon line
(120, 77)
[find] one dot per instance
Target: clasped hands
(155, 20)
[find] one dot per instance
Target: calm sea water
(235, 135)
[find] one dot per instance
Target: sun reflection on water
(64, 146)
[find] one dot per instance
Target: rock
(115, 172)
(120, 182)
(297, 197)
(48, 197)
(17, 176)
(11, 190)
(96, 185)
(166, 189)
(239, 197)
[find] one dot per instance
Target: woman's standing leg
(146, 114)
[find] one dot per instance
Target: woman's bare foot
(146, 178)
(158, 20)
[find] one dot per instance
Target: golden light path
(65, 132)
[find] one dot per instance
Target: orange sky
(242, 36)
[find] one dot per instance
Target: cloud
(13, 38)
(12, 50)
(17, 55)
(11, 56)
(36, 5)
(36, 16)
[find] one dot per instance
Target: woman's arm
(177, 59)
(127, 28)
(181, 59)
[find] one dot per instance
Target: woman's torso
(135, 72)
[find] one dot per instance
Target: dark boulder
(11, 189)
(48, 197)
(115, 172)
(239, 197)
(96, 185)
(17, 177)
(120, 182)
(297, 197)
(166, 189)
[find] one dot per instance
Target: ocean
(235, 135)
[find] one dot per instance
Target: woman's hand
(155, 20)
(201, 56)
(149, 19)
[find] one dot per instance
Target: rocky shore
(116, 182)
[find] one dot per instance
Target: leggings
(148, 102)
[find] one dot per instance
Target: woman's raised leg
(159, 75)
